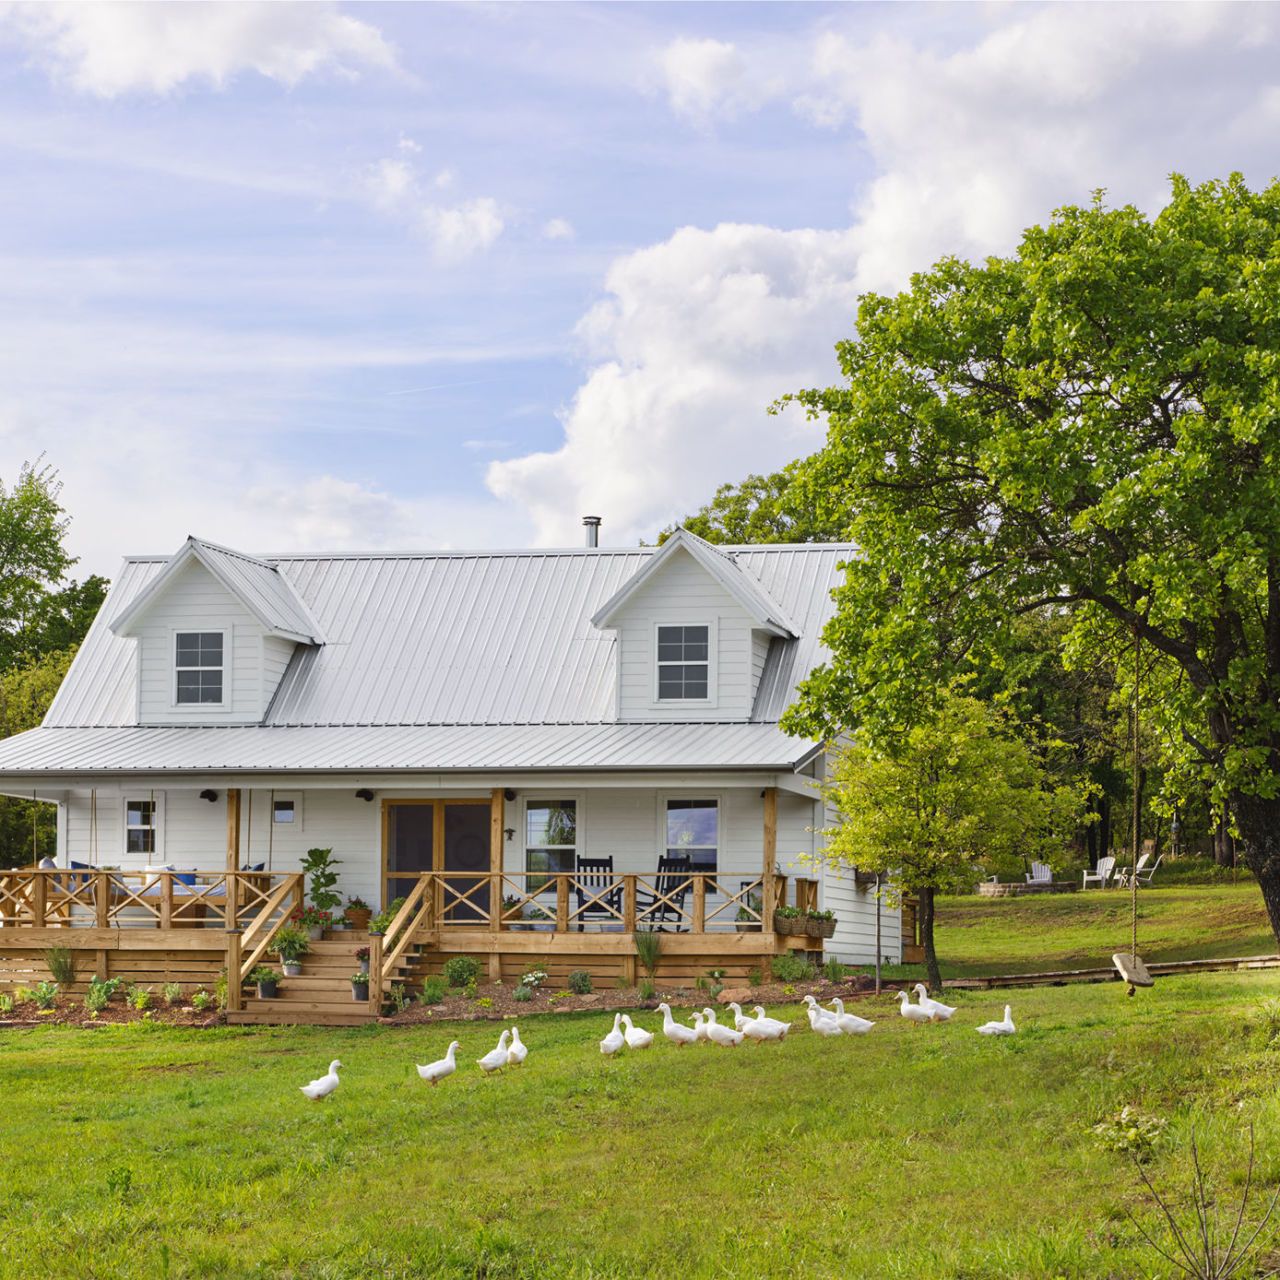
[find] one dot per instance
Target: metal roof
(259, 586)
(452, 638)
(51, 753)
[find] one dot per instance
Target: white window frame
(294, 798)
(157, 825)
(579, 827)
(193, 629)
(713, 649)
(716, 796)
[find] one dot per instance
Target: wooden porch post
(235, 996)
(233, 828)
(769, 865)
(495, 880)
(375, 974)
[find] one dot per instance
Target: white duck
(738, 1016)
(1005, 1028)
(774, 1024)
(939, 1011)
(850, 1023)
(518, 1051)
(434, 1072)
(822, 1022)
(699, 1025)
(761, 1028)
(495, 1059)
(323, 1087)
(913, 1012)
(614, 1040)
(636, 1037)
(719, 1034)
(676, 1032)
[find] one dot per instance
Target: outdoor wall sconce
(208, 795)
(510, 833)
(508, 795)
(364, 794)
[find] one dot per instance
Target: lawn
(147, 1151)
(1081, 930)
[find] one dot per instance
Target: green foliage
(382, 921)
(712, 982)
(1130, 1132)
(220, 990)
(360, 979)
(201, 1000)
(522, 994)
(755, 977)
(645, 989)
(470, 990)
(399, 997)
(790, 967)
(459, 970)
(62, 965)
(6, 1003)
(318, 866)
(290, 943)
(100, 992)
(834, 971)
(534, 978)
(45, 994)
(485, 1002)
(263, 973)
(433, 990)
(580, 982)
(648, 949)
(139, 998)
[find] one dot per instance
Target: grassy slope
(1081, 930)
(841, 1157)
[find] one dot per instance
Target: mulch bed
(71, 1012)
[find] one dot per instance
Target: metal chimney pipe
(593, 530)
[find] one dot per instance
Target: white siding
(683, 592)
(196, 601)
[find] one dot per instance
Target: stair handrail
(292, 884)
(398, 934)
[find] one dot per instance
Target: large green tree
(1090, 425)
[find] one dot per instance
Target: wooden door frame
(437, 830)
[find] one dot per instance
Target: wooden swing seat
(1132, 970)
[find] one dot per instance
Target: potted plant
(820, 924)
(362, 957)
(509, 921)
(358, 913)
(267, 980)
(750, 914)
(291, 944)
(360, 987)
(318, 866)
(382, 921)
(788, 920)
(312, 921)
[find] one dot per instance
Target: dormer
(215, 631)
(693, 630)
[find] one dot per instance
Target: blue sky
(416, 275)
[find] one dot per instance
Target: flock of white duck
(511, 1051)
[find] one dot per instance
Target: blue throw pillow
(257, 866)
(81, 866)
(186, 877)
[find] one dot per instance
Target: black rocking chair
(599, 893)
(666, 904)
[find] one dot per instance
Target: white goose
(434, 1072)
(518, 1051)
(323, 1087)
(1005, 1028)
(719, 1034)
(774, 1024)
(636, 1037)
(938, 1011)
(913, 1012)
(850, 1023)
(614, 1040)
(676, 1032)
(822, 1022)
(495, 1059)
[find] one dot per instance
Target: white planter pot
(292, 968)
(315, 932)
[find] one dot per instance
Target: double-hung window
(693, 831)
(199, 667)
(684, 663)
(550, 838)
(140, 826)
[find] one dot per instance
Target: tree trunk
(926, 941)
(1258, 821)
(1222, 851)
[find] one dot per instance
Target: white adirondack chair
(1144, 877)
(1040, 873)
(1123, 873)
(1100, 877)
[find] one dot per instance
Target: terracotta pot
(359, 917)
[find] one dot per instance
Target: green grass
(909, 1153)
(979, 936)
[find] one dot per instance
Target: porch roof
(84, 752)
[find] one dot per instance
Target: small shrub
(6, 1002)
(646, 989)
(461, 970)
(62, 964)
(522, 993)
(755, 977)
(485, 1002)
(46, 995)
(400, 998)
(100, 992)
(22, 994)
(833, 970)
(173, 994)
(788, 990)
(1130, 1132)
(580, 982)
(201, 1000)
(432, 990)
(648, 949)
(712, 982)
(470, 990)
(220, 990)
(140, 998)
(534, 979)
(791, 968)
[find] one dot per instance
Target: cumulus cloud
(1037, 108)
(558, 229)
(108, 49)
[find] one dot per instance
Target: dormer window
(684, 663)
(198, 666)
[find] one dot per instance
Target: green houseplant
(750, 915)
(360, 987)
(318, 867)
(291, 944)
(820, 924)
(267, 980)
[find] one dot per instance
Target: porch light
(364, 794)
(208, 795)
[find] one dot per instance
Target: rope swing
(1130, 965)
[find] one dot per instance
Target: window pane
(138, 813)
(188, 649)
(283, 811)
(199, 649)
(210, 686)
(550, 822)
(140, 840)
(683, 644)
(692, 824)
(687, 680)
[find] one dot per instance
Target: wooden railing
(107, 899)
(256, 937)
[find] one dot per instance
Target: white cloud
(107, 49)
(699, 333)
(558, 229)
(461, 230)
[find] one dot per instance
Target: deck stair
(320, 996)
